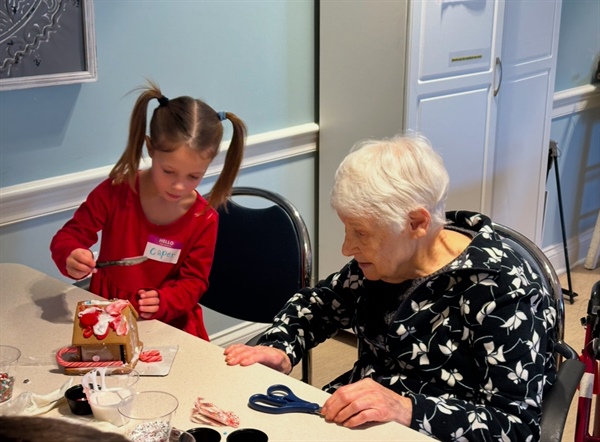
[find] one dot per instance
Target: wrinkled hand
(149, 302)
(80, 263)
(239, 354)
(366, 401)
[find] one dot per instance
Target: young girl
(156, 212)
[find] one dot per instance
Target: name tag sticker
(163, 250)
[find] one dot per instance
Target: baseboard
(238, 334)
(58, 194)
(577, 249)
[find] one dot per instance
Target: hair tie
(162, 100)
(222, 115)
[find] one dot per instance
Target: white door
(523, 131)
(453, 47)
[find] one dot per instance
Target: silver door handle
(497, 68)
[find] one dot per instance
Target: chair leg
(306, 368)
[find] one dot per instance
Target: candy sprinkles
(152, 431)
(6, 386)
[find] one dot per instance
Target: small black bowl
(77, 400)
(203, 434)
(247, 435)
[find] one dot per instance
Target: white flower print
(494, 356)
(451, 377)
(448, 348)
(519, 374)
(457, 435)
(473, 220)
(486, 232)
(477, 420)
(420, 350)
(515, 321)
(351, 282)
(440, 319)
(483, 279)
(464, 306)
(488, 308)
(521, 278)
(424, 305)
(494, 254)
(403, 332)
(314, 298)
(425, 427)
(452, 282)
(489, 390)
(443, 406)
(534, 345)
(304, 312)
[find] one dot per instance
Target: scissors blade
(122, 262)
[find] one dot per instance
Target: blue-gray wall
(253, 58)
(577, 133)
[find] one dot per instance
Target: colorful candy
(6, 386)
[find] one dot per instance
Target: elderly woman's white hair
(387, 179)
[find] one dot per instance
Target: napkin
(31, 404)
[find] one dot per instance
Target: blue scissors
(280, 399)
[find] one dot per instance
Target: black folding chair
(263, 257)
(557, 399)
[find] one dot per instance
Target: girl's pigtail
(126, 169)
(233, 160)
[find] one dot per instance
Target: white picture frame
(46, 43)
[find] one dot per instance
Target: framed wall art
(46, 43)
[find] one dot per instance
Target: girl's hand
(149, 302)
(366, 401)
(80, 263)
(239, 354)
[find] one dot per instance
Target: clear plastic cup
(147, 415)
(105, 400)
(9, 356)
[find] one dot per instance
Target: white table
(36, 315)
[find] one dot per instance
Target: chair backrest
(263, 256)
(541, 265)
(557, 399)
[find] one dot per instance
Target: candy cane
(74, 364)
(151, 356)
(207, 409)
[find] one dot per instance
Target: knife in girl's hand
(122, 262)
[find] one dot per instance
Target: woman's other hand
(366, 401)
(239, 354)
(80, 263)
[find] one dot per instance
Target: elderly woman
(455, 333)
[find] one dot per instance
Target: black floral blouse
(471, 345)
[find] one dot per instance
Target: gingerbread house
(105, 333)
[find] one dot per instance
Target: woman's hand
(149, 302)
(80, 263)
(239, 354)
(366, 401)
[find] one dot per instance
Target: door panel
(464, 132)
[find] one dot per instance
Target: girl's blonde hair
(181, 121)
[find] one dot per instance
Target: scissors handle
(280, 399)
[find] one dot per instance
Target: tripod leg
(562, 225)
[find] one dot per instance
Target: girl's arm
(81, 231)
